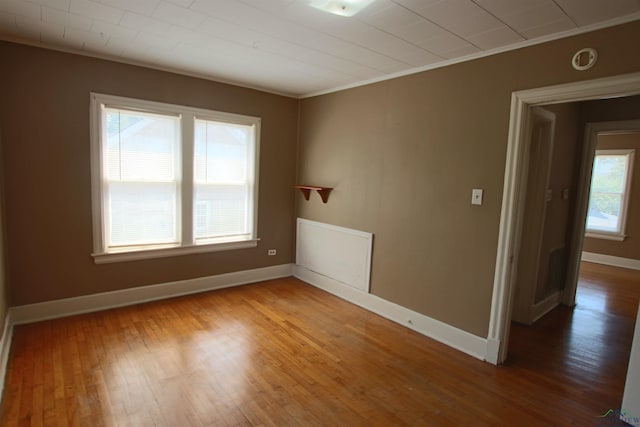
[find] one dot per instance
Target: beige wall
(45, 117)
(3, 276)
(629, 247)
(404, 154)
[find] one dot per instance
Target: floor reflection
(589, 343)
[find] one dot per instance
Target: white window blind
(223, 181)
(140, 183)
(170, 179)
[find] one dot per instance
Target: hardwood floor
(282, 353)
(586, 346)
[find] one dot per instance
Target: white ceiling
(288, 47)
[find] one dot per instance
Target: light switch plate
(476, 196)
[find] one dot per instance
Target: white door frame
(524, 293)
(513, 193)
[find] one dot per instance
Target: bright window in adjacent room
(609, 194)
(170, 179)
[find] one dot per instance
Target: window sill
(595, 235)
(109, 257)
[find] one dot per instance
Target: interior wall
(403, 156)
(630, 246)
(45, 114)
(4, 295)
(563, 176)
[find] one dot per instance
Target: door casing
(513, 196)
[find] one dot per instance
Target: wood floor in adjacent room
(282, 353)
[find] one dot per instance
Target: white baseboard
(89, 303)
(439, 331)
(613, 261)
(5, 347)
(546, 305)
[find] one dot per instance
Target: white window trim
(101, 254)
(621, 235)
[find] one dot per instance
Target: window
(609, 196)
(169, 179)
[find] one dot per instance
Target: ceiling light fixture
(341, 7)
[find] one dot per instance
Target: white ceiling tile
(21, 8)
(76, 36)
(392, 17)
(250, 19)
(177, 15)
(585, 12)
(58, 41)
(278, 27)
(326, 61)
(109, 49)
(359, 54)
(117, 46)
(96, 11)
(416, 5)
(396, 48)
(227, 30)
(269, 6)
(461, 17)
(95, 44)
(458, 53)
(155, 42)
(537, 17)
(111, 30)
(224, 9)
(288, 46)
(182, 3)
(56, 4)
(37, 25)
(278, 47)
(551, 28)
(143, 7)
(509, 7)
(184, 35)
(374, 8)
(523, 14)
(495, 38)
(143, 54)
(418, 31)
(302, 14)
(365, 35)
(135, 21)
(65, 19)
(443, 43)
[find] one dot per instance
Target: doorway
(511, 220)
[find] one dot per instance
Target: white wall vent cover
(339, 253)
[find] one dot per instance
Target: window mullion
(186, 189)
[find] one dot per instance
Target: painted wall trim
(546, 305)
(5, 347)
(439, 331)
(512, 205)
(103, 301)
(611, 260)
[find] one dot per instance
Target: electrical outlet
(271, 252)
